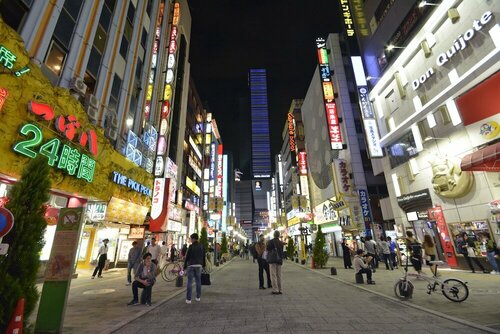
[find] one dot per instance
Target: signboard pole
(59, 272)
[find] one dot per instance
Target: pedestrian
(246, 252)
(371, 251)
(275, 245)
(145, 278)
(252, 251)
(193, 263)
(491, 250)
(102, 256)
(260, 247)
(467, 248)
(385, 252)
(134, 259)
(415, 249)
(430, 253)
(163, 254)
(154, 249)
(173, 253)
(184, 250)
(361, 265)
(392, 249)
(346, 251)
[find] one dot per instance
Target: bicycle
(171, 270)
(453, 289)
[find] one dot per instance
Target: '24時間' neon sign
(59, 154)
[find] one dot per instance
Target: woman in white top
(102, 256)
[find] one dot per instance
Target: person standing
(260, 247)
(173, 253)
(371, 250)
(467, 248)
(163, 254)
(145, 278)
(430, 252)
(193, 263)
(134, 259)
(392, 250)
(415, 249)
(346, 251)
(275, 264)
(154, 250)
(385, 252)
(102, 256)
(491, 250)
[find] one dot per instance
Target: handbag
(205, 279)
(471, 252)
(273, 257)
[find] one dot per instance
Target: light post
(216, 262)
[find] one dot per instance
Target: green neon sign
(8, 59)
(68, 159)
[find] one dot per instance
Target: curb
(123, 323)
(396, 300)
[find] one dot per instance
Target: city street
(312, 302)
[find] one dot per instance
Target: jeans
(388, 262)
(493, 261)
(193, 272)
(131, 266)
(263, 265)
(366, 271)
(146, 294)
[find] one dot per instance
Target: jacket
(134, 255)
(150, 277)
(276, 244)
(195, 255)
(359, 263)
(260, 248)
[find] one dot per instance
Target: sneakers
(198, 299)
(133, 302)
(99, 276)
(148, 304)
(495, 272)
(93, 277)
(371, 282)
(262, 288)
(128, 283)
(188, 301)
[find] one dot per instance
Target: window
(124, 47)
(55, 58)
(402, 150)
(66, 23)
(94, 61)
(115, 92)
(148, 7)
(144, 38)
(100, 39)
(90, 82)
(14, 12)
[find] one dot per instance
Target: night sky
(229, 37)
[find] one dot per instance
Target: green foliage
(18, 269)
(290, 248)
(204, 238)
(320, 256)
(223, 246)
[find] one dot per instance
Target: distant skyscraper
(261, 148)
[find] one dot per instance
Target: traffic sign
(6, 221)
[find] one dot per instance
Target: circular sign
(6, 221)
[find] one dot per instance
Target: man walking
(260, 247)
(134, 259)
(194, 262)
(154, 249)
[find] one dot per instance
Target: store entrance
(422, 227)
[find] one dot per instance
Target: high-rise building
(261, 147)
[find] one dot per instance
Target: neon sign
(8, 59)
(302, 163)
(291, 132)
(328, 96)
(68, 158)
(346, 14)
(3, 96)
(220, 153)
(123, 180)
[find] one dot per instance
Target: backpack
(416, 249)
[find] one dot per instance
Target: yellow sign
(293, 221)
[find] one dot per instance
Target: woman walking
(346, 251)
(466, 247)
(386, 253)
(430, 252)
(275, 259)
(102, 255)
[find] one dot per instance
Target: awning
(486, 159)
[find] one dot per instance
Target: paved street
(312, 302)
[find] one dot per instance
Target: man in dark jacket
(275, 259)
(194, 262)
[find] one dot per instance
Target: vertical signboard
(436, 214)
(220, 166)
(302, 163)
(332, 119)
(365, 210)
(59, 271)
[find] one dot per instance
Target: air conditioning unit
(92, 113)
(92, 101)
(78, 86)
(114, 122)
(111, 133)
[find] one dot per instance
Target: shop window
(477, 231)
(55, 58)
(14, 12)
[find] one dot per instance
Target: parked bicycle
(453, 289)
(171, 270)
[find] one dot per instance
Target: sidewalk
(482, 307)
(100, 305)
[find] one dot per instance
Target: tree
(290, 248)
(223, 246)
(204, 239)
(320, 256)
(19, 268)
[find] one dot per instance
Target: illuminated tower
(261, 148)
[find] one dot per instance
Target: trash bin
(333, 271)
(179, 281)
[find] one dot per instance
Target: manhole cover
(98, 291)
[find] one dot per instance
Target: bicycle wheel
(171, 271)
(403, 289)
(164, 272)
(455, 290)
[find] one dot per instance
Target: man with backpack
(415, 249)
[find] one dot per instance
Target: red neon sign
(302, 163)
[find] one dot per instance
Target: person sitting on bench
(361, 265)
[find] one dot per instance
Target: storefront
(38, 119)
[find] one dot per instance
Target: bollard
(333, 271)
(179, 281)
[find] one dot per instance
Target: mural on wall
(448, 180)
(33, 86)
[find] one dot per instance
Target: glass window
(402, 150)
(73, 8)
(105, 18)
(144, 38)
(64, 29)
(90, 82)
(148, 7)
(124, 47)
(128, 31)
(13, 13)
(115, 89)
(55, 58)
(100, 39)
(131, 12)
(138, 69)
(94, 61)
(110, 4)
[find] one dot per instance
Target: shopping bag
(205, 279)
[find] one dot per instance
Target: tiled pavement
(313, 302)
